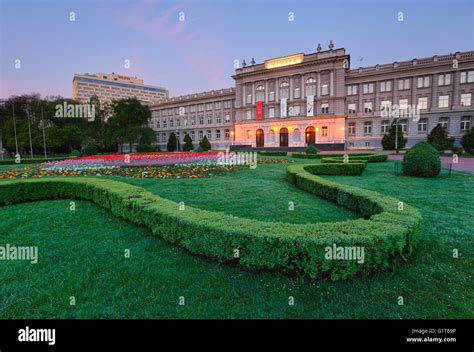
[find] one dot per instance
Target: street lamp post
(396, 135)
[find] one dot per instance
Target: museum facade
(301, 99)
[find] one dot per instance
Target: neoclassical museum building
(301, 99)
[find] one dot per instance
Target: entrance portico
(295, 132)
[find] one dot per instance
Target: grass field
(81, 254)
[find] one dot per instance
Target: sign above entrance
(285, 61)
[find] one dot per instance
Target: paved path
(463, 164)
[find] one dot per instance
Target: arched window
(284, 90)
(311, 87)
(260, 93)
(296, 135)
(271, 136)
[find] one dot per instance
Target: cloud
(189, 39)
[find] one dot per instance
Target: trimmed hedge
(337, 168)
(386, 234)
(306, 156)
(339, 161)
(422, 160)
(271, 153)
(371, 158)
(32, 161)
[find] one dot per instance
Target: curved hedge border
(354, 168)
(341, 161)
(372, 158)
(272, 153)
(386, 234)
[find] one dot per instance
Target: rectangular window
(193, 135)
(171, 123)
(218, 134)
(385, 105)
(209, 106)
(368, 107)
(218, 119)
(384, 127)
(351, 128)
(227, 104)
(295, 110)
(466, 99)
(467, 77)
(271, 113)
(368, 88)
(325, 89)
(422, 103)
(404, 84)
(297, 93)
(201, 135)
(368, 127)
(217, 105)
(209, 119)
(227, 135)
(324, 131)
(444, 80)
(227, 118)
(422, 125)
(352, 90)
(164, 123)
(386, 86)
(249, 99)
(248, 114)
(404, 125)
(444, 122)
(423, 82)
(209, 134)
(443, 101)
(351, 108)
(271, 96)
(465, 123)
(193, 108)
(201, 120)
(200, 107)
(403, 104)
(325, 108)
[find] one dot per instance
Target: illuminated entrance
(260, 138)
(310, 135)
(284, 137)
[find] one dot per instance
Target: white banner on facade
(310, 105)
(283, 107)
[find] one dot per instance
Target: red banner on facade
(259, 110)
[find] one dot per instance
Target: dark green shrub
(467, 141)
(371, 158)
(440, 139)
(422, 160)
(388, 139)
(205, 144)
(74, 154)
(172, 143)
(339, 161)
(311, 149)
(306, 156)
(188, 143)
(90, 149)
(337, 168)
(145, 148)
(456, 150)
(199, 149)
(272, 153)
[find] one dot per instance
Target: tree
(440, 139)
(467, 141)
(205, 144)
(388, 140)
(172, 143)
(129, 118)
(188, 143)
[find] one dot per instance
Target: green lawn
(81, 254)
